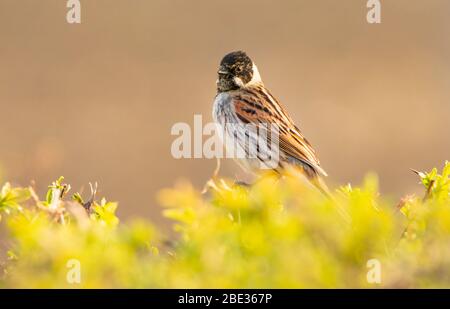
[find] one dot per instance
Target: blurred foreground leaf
(278, 233)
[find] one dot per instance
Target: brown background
(96, 101)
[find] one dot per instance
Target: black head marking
(235, 64)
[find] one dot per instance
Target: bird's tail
(320, 184)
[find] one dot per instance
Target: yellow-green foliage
(277, 233)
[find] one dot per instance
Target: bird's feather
(256, 105)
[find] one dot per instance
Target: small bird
(243, 100)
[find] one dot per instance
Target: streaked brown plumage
(243, 99)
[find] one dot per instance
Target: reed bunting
(242, 100)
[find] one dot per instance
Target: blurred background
(96, 101)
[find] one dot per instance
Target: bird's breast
(221, 108)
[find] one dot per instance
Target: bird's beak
(223, 71)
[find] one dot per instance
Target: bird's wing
(257, 105)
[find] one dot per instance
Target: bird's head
(236, 70)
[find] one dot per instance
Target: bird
(242, 102)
